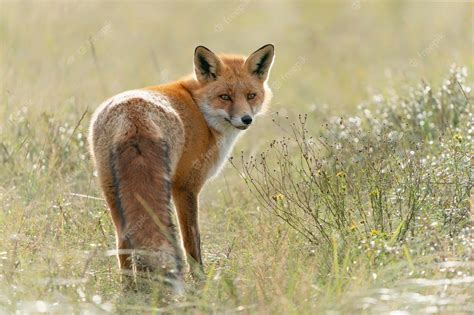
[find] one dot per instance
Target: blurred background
(71, 55)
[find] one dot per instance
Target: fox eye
(251, 96)
(225, 97)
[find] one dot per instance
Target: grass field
(352, 195)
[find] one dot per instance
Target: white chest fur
(224, 146)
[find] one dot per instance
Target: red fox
(160, 144)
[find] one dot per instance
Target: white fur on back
(166, 119)
(149, 96)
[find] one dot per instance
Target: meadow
(352, 194)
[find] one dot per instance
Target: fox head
(233, 89)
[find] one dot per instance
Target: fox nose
(247, 119)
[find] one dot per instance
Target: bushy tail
(141, 179)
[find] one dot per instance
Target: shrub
(402, 163)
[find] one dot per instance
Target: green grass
(368, 213)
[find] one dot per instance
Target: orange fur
(164, 142)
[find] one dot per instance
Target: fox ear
(260, 62)
(207, 65)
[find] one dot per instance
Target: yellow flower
(375, 192)
(341, 174)
(278, 197)
(458, 137)
(374, 232)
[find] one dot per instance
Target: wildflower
(356, 121)
(458, 137)
(375, 232)
(278, 197)
(374, 193)
(393, 136)
(378, 98)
